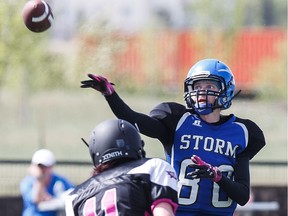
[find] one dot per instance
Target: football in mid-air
(37, 15)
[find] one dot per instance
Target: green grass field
(57, 120)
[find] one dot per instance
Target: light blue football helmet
(212, 70)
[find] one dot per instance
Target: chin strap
(205, 110)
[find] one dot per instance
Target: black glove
(204, 170)
(98, 83)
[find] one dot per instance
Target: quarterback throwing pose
(124, 182)
(209, 151)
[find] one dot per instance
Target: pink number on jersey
(90, 207)
(108, 202)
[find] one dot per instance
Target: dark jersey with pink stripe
(132, 188)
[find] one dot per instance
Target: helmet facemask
(197, 99)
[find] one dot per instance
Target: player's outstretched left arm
(121, 110)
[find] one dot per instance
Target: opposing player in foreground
(217, 177)
(124, 182)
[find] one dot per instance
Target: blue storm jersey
(228, 144)
(216, 145)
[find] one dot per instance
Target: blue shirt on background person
(42, 184)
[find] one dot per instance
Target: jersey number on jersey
(108, 204)
(194, 187)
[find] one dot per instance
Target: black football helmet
(115, 139)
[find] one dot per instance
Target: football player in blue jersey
(209, 151)
(124, 182)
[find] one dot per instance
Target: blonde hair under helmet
(44, 157)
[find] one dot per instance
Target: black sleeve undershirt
(239, 188)
(147, 125)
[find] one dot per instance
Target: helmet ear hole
(189, 102)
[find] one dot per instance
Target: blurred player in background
(42, 185)
(124, 182)
(220, 146)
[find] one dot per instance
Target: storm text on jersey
(209, 144)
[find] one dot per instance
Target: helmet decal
(115, 139)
